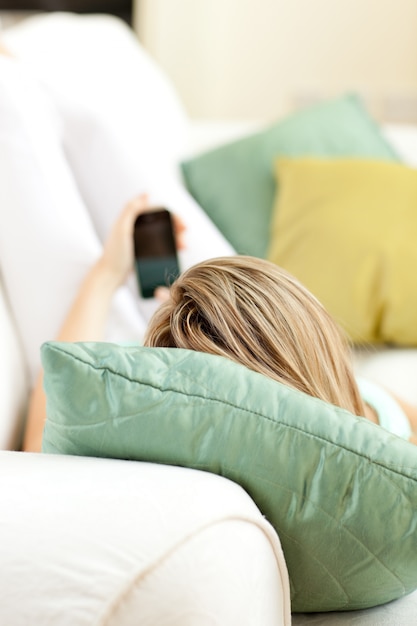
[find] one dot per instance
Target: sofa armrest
(97, 541)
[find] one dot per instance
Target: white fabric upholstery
(94, 541)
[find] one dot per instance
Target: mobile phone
(156, 259)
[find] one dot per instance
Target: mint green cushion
(340, 491)
(235, 183)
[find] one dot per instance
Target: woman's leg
(47, 239)
(123, 125)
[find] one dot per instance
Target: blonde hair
(255, 313)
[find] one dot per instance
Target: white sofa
(93, 541)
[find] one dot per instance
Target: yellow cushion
(347, 228)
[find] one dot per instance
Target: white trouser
(86, 123)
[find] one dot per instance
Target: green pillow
(340, 491)
(235, 185)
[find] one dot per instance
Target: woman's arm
(87, 317)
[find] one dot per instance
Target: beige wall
(260, 58)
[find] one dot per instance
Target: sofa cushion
(346, 229)
(235, 183)
(340, 491)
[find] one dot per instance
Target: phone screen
(156, 259)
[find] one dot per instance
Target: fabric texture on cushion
(235, 183)
(347, 229)
(326, 480)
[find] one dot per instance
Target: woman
(81, 148)
(243, 308)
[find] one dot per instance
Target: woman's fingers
(161, 294)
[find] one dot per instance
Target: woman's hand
(117, 260)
